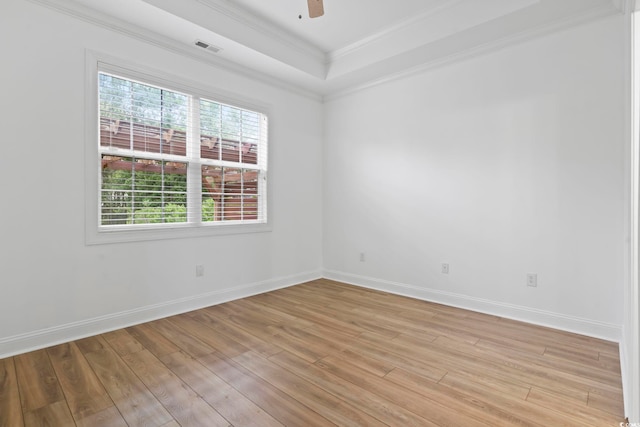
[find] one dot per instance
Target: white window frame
(95, 233)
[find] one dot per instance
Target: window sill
(107, 235)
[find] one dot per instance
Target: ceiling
(355, 44)
(344, 23)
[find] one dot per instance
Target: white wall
(508, 163)
(53, 286)
(630, 342)
(500, 165)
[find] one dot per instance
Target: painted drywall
(54, 286)
(501, 165)
(630, 342)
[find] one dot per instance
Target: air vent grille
(207, 46)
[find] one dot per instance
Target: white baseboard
(630, 371)
(43, 338)
(624, 372)
(606, 331)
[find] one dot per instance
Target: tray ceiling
(356, 43)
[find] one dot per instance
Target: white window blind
(172, 158)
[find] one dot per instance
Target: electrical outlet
(532, 280)
(199, 270)
(362, 258)
(445, 268)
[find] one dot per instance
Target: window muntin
(230, 194)
(177, 159)
(142, 191)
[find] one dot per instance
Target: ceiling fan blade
(316, 8)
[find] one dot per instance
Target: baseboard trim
(624, 372)
(43, 338)
(630, 372)
(606, 331)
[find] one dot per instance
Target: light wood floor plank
(380, 349)
(84, 393)
(372, 403)
(135, 402)
(257, 315)
(283, 318)
(524, 412)
(186, 342)
(542, 376)
(10, 407)
(123, 342)
(567, 407)
(317, 399)
(461, 356)
(419, 327)
(228, 401)
(244, 336)
(494, 334)
(367, 324)
(267, 339)
(548, 336)
(611, 403)
(37, 380)
(152, 340)
(609, 361)
(339, 339)
(322, 353)
(374, 366)
(298, 308)
(241, 317)
(479, 383)
(286, 409)
(227, 340)
(186, 407)
(576, 373)
(55, 414)
(289, 340)
(425, 398)
(499, 408)
(109, 417)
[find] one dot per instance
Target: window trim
(94, 233)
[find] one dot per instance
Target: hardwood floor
(318, 354)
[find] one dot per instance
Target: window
(177, 159)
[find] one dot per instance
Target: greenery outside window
(171, 158)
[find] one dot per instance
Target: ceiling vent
(207, 46)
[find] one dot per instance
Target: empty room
(319, 213)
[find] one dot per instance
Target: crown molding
(354, 47)
(247, 19)
(590, 15)
(558, 25)
(460, 9)
(86, 14)
(443, 27)
(325, 90)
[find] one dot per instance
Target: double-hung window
(171, 158)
